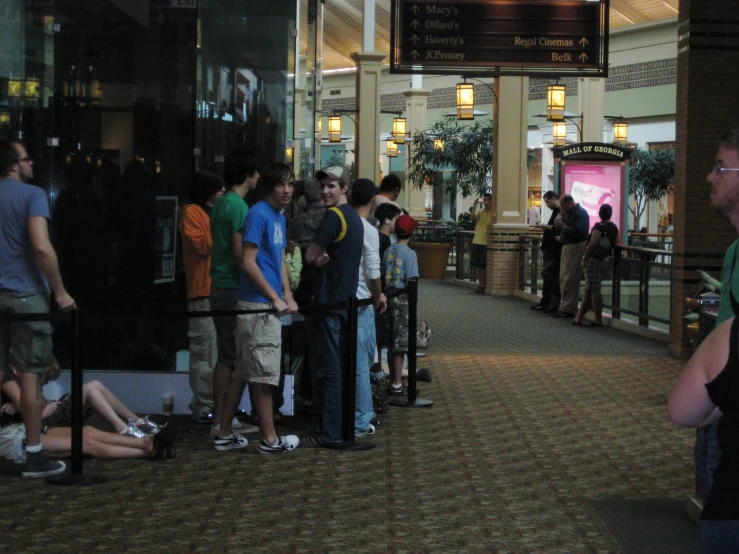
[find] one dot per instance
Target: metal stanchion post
(349, 381)
(412, 401)
(76, 478)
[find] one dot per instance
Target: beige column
(369, 80)
(414, 199)
(301, 130)
(510, 124)
(591, 99)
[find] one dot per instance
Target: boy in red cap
(400, 265)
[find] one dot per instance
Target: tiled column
(509, 184)
(369, 80)
(415, 112)
(707, 106)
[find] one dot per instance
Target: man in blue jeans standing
(337, 249)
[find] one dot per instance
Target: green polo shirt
(226, 218)
(729, 283)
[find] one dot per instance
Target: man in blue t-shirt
(29, 270)
(337, 249)
(264, 286)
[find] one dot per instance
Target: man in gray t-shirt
(29, 270)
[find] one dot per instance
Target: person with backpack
(595, 263)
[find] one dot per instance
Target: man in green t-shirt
(226, 226)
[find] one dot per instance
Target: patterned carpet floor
(536, 431)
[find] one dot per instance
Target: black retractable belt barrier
(76, 478)
(412, 401)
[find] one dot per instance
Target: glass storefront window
(118, 104)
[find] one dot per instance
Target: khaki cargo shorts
(29, 340)
(258, 343)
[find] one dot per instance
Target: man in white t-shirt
(363, 195)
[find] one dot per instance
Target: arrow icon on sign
(415, 24)
(583, 57)
(415, 39)
(415, 9)
(415, 54)
(584, 42)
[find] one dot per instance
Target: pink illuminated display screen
(592, 185)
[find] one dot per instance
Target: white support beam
(672, 4)
(339, 49)
(626, 11)
(342, 28)
(355, 14)
(385, 5)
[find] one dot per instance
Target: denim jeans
(719, 537)
(325, 351)
(365, 358)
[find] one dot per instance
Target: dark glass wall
(118, 102)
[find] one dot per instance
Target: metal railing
(638, 269)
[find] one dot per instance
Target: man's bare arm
(38, 232)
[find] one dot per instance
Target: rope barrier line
(349, 370)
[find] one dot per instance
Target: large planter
(432, 258)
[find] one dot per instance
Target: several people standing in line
(197, 245)
(572, 231)
(400, 266)
(369, 286)
(226, 226)
(596, 262)
(552, 253)
(264, 285)
(482, 214)
(29, 272)
(337, 249)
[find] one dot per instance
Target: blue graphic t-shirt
(265, 227)
(400, 264)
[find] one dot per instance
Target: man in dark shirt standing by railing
(552, 251)
(573, 232)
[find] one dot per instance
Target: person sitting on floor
(95, 397)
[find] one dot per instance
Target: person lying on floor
(95, 397)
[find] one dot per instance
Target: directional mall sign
(500, 37)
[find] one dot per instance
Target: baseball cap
(334, 174)
(405, 225)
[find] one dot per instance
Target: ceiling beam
(339, 49)
(672, 4)
(385, 5)
(355, 14)
(622, 8)
(342, 28)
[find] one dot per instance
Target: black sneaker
(38, 464)
(402, 390)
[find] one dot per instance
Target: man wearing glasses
(724, 182)
(29, 271)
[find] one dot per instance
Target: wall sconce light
(559, 133)
(334, 128)
(620, 132)
(439, 145)
(556, 102)
(289, 150)
(31, 88)
(392, 149)
(15, 88)
(465, 101)
(319, 128)
(4, 118)
(399, 130)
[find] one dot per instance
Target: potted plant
(432, 244)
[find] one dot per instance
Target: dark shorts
(479, 256)
(223, 300)
(380, 329)
(62, 416)
(396, 324)
(29, 340)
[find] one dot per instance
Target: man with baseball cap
(337, 250)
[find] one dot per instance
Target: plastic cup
(168, 403)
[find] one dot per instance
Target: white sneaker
(234, 442)
(287, 443)
(241, 428)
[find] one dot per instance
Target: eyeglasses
(719, 170)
